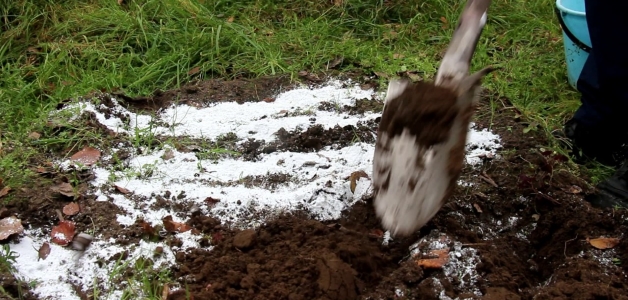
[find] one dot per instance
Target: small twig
(481, 195)
(60, 215)
(546, 197)
(488, 179)
(565, 249)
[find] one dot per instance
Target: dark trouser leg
(604, 88)
(604, 79)
(603, 115)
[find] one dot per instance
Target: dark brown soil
(524, 215)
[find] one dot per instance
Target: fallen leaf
(172, 226)
(121, 189)
(354, 179)
(168, 155)
(603, 243)
(398, 56)
(574, 189)
(194, 71)
(477, 207)
(441, 259)
(4, 191)
(120, 2)
(444, 20)
(269, 99)
(10, 225)
(147, 228)
(87, 156)
(211, 201)
(43, 251)
(63, 233)
(71, 209)
(380, 74)
(34, 135)
(64, 188)
(338, 2)
(335, 63)
(303, 73)
(230, 19)
(165, 292)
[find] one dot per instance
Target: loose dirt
(516, 229)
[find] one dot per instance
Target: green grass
(54, 50)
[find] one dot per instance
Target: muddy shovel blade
(419, 150)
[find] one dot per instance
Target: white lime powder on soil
(318, 181)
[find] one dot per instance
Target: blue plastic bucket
(576, 40)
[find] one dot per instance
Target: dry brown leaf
(477, 207)
(147, 228)
(194, 71)
(332, 64)
(380, 74)
(34, 135)
(165, 292)
(172, 226)
(338, 2)
(441, 258)
(604, 243)
(230, 19)
(354, 179)
(87, 156)
(211, 201)
(168, 155)
(71, 209)
(4, 191)
(121, 189)
(44, 250)
(574, 189)
(63, 233)
(10, 225)
(398, 56)
(120, 2)
(65, 189)
(269, 99)
(444, 20)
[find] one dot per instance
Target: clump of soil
(292, 257)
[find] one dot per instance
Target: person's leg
(601, 123)
(599, 127)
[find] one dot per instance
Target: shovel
(420, 146)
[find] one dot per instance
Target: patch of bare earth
(521, 215)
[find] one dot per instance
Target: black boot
(606, 146)
(613, 192)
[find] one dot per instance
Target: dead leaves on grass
(64, 189)
(4, 191)
(10, 225)
(87, 156)
(603, 243)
